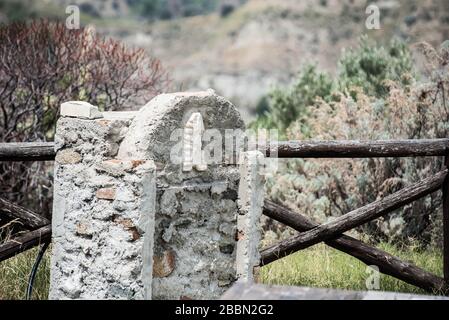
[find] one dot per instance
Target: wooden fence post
(446, 224)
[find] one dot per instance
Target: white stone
(80, 109)
(125, 194)
(194, 203)
(193, 155)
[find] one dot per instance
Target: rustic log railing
(354, 218)
(332, 232)
(27, 217)
(24, 242)
(357, 148)
(27, 151)
(310, 232)
(387, 263)
(39, 229)
(38, 151)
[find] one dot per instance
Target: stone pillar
(122, 229)
(103, 211)
(251, 197)
(196, 210)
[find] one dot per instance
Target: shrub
(370, 67)
(16, 10)
(288, 105)
(383, 106)
(43, 64)
(226, 9)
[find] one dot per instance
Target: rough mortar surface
(129, 223)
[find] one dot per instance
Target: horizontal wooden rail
(355, 218)
(25, 242)
(27, 151)
(387, 263)
(38, 151)
(357, 149)
(28, 218)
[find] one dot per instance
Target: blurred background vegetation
(311, 69)
(377, 93)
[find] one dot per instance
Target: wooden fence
(310, 232)
(38, 227)
(332, 232)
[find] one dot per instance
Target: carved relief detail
(192, 153)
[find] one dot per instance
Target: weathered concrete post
(251, 197)
(196, 219)
(103, 211)
(124, 229)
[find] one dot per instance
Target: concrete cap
(80, 109)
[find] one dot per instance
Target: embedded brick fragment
(164, 264)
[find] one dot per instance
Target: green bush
(283, 106)
(376, 95)
(368, 67)
(16, 10)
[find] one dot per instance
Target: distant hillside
(150, 9)
(99, 8)
(265, 43)
(261, 43)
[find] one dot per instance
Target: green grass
(319, 266)
(14, 274)
(322, 266)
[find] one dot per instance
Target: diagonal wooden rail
(387, 263)
(27, 217)
(355, 218)
(25, 242)
(40, 230)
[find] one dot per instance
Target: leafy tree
(288, 105)
(43, 64)
(370, 66)
(376, 95)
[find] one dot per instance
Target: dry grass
(322, 266)
(319, 266)
(14, 275)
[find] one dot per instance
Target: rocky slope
(264, 43)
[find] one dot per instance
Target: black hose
(34, 270)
